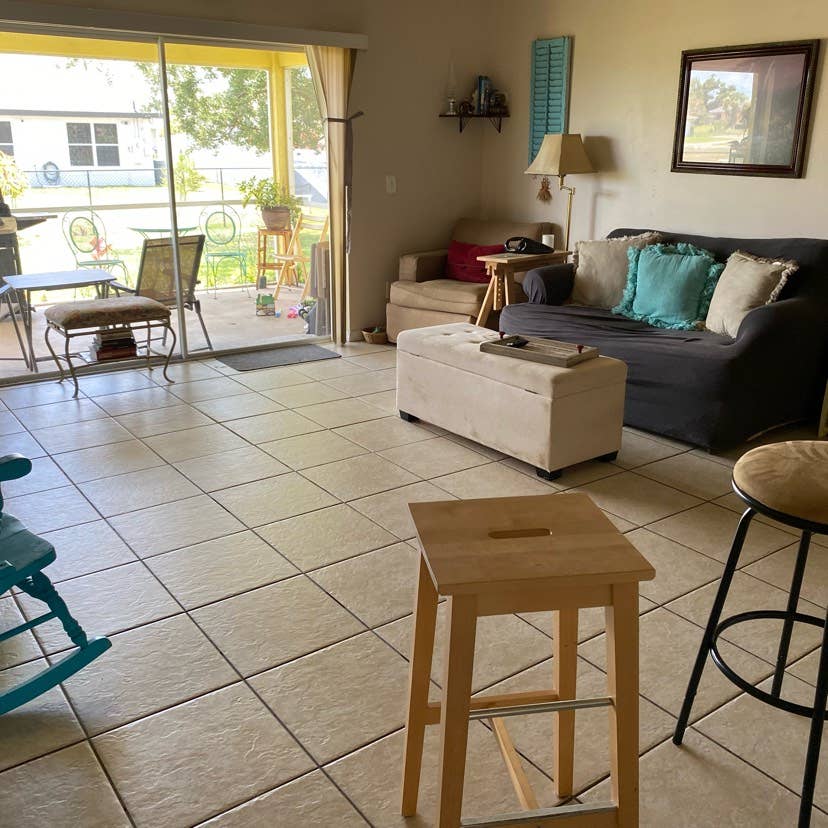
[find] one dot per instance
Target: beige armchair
(422, 296)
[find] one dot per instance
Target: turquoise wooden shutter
(550, 90)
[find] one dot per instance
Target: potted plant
(279, 207)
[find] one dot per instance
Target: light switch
(391, 184)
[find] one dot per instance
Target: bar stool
(789, 483)
(524, 554)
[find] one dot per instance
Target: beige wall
(400, 83)
(623, 98)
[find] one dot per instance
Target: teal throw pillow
(669, 285)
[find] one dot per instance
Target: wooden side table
(283, 237)
(502, 268)
(524, 554)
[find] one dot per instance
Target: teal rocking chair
(23, 556)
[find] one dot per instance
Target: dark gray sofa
(696, 386)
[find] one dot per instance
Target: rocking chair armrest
(118, 287)
(14, 466)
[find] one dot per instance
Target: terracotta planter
(276, 218)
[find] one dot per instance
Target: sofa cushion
(669, 286)
(747, 282)
(462, 263)
(447, 295)
(601, 273)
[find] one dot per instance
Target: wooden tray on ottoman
(549, 351)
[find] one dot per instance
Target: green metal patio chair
(221, 227)
(23, 556)
(85, 234)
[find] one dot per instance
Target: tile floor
(244, 540)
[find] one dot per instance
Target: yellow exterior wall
(274, 62)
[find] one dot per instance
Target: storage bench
(547, 416)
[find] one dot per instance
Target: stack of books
(112, 343)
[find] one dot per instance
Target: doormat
(290, 355)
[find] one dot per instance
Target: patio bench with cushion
(72, 319)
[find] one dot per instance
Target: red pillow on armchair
(462, 261)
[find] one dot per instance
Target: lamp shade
(561, 155)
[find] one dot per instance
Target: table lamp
(560, 155)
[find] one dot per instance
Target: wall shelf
(495, 120)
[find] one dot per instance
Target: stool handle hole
(507, 534)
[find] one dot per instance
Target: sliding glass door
(117, 145)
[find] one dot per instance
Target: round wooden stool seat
(789, 478)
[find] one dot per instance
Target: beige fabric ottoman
(547, 416)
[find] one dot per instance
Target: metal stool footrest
(724, 667)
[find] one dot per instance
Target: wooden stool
(789, 483)
(524, 554)
(263, 261)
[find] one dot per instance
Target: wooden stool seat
(524, 554)
(789, 478)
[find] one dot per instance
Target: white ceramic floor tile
(138, 490)
(333, 534)
(359, 476)
(688, 473)
(86, 548)
(492, 480)
(60, 413)
(386, 433)
(274, 498)
(310, 393)
(116, 382)
(144, 399)
(168, 767)
(78, 792)
(231, 468)
(173, 525)
(21, 442)
(9, 424)
(219, 568)
(267, 378)
(163, 420)
(275, 624)
(107, 461)
(309, 800)
(40, 726)
(232, 408)
(390, 509)
(86, 434)
(195, 442)
(275, 426)
(208, 389)
(341, 412)
(433, 457)
(20, 648)
(147, 669)
(38, 393)
(301, 694)
(369, 383)
(55, 509)
(314, 449)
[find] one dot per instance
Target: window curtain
(332, 69)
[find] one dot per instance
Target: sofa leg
(409, 418)
(548, 475)
(608, 458)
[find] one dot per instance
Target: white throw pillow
(747, 282)
(601, 272)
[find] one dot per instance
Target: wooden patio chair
(295, 255)
(156, 275)
(23, 556)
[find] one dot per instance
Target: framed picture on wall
(744, 110)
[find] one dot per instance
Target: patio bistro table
(28, 283)
(161, 232)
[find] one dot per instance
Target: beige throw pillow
(601, 272)
(747, 282)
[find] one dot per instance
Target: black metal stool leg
(712, 623)
(793, 601)
(815, 739)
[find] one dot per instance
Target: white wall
(623, 99)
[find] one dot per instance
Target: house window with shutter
(550, 90)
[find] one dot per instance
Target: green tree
(13, 181)
(214, 106)
(308, 129)
(187, 178)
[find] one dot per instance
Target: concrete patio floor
(230, 318)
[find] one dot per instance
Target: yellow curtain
(332, 69)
